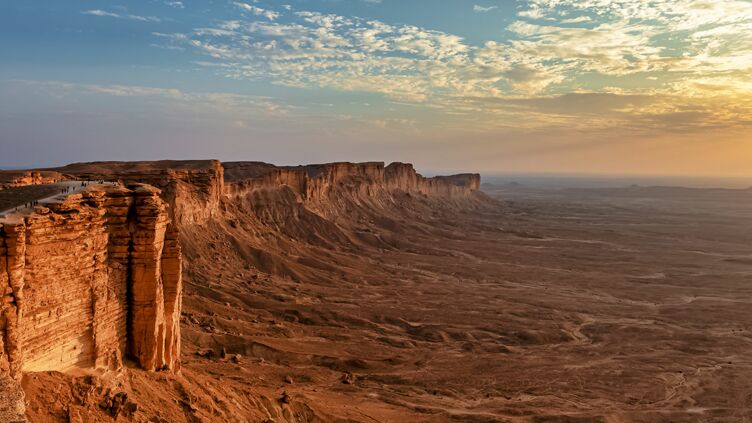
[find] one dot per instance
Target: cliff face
(193, 188)
(96, 278)
(403, 177)
(318, 182)
(88, 281)
(91, 279)
(118, 249)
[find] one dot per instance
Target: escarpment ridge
(314, 181)
(195, 188)
(93, 278)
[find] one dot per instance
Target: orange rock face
(317, 182)
(88, 281)
(193, 188)
(96, 278)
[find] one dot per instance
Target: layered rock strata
(195, 189)
(96, 277)
(192, 188)
(88, 281)
(317, 182)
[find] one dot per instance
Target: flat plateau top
(13, 201)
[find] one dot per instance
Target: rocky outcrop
(318, 182)
(14, 179)
(403, 177)
(90, 280)
(192, 188)
(97, 277)
(155, 284)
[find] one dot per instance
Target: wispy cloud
(685, 54)
(234, 105)
(98, 12)
(268, 14)
(482, 9)
(104, 13)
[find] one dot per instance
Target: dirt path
(13, 201)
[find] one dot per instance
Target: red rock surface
(88, 277)
(361, 293)
(97, 278)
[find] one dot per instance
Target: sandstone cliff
(96, 278)
(316, 182)
(89, 280)
(192, 188)
(118, 249)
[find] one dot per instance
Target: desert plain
(521, 304)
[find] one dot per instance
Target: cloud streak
(106, 14)
(268, 14)
(483, 9)
(227, 103)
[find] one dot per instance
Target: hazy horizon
(544, 86)
(550, 180)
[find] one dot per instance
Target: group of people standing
(64, 190)
(30, 204)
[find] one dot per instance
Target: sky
(570, 86)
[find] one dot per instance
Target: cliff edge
(93, 279)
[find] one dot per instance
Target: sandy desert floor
(608, 305)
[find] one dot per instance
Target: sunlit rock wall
(89, 281)
(317, 182)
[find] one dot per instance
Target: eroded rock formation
(95, 279)
(318, 182)
(88, 281)
(192, 188)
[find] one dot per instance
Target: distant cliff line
(166, 196)
(195, 188)
(93, 277)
